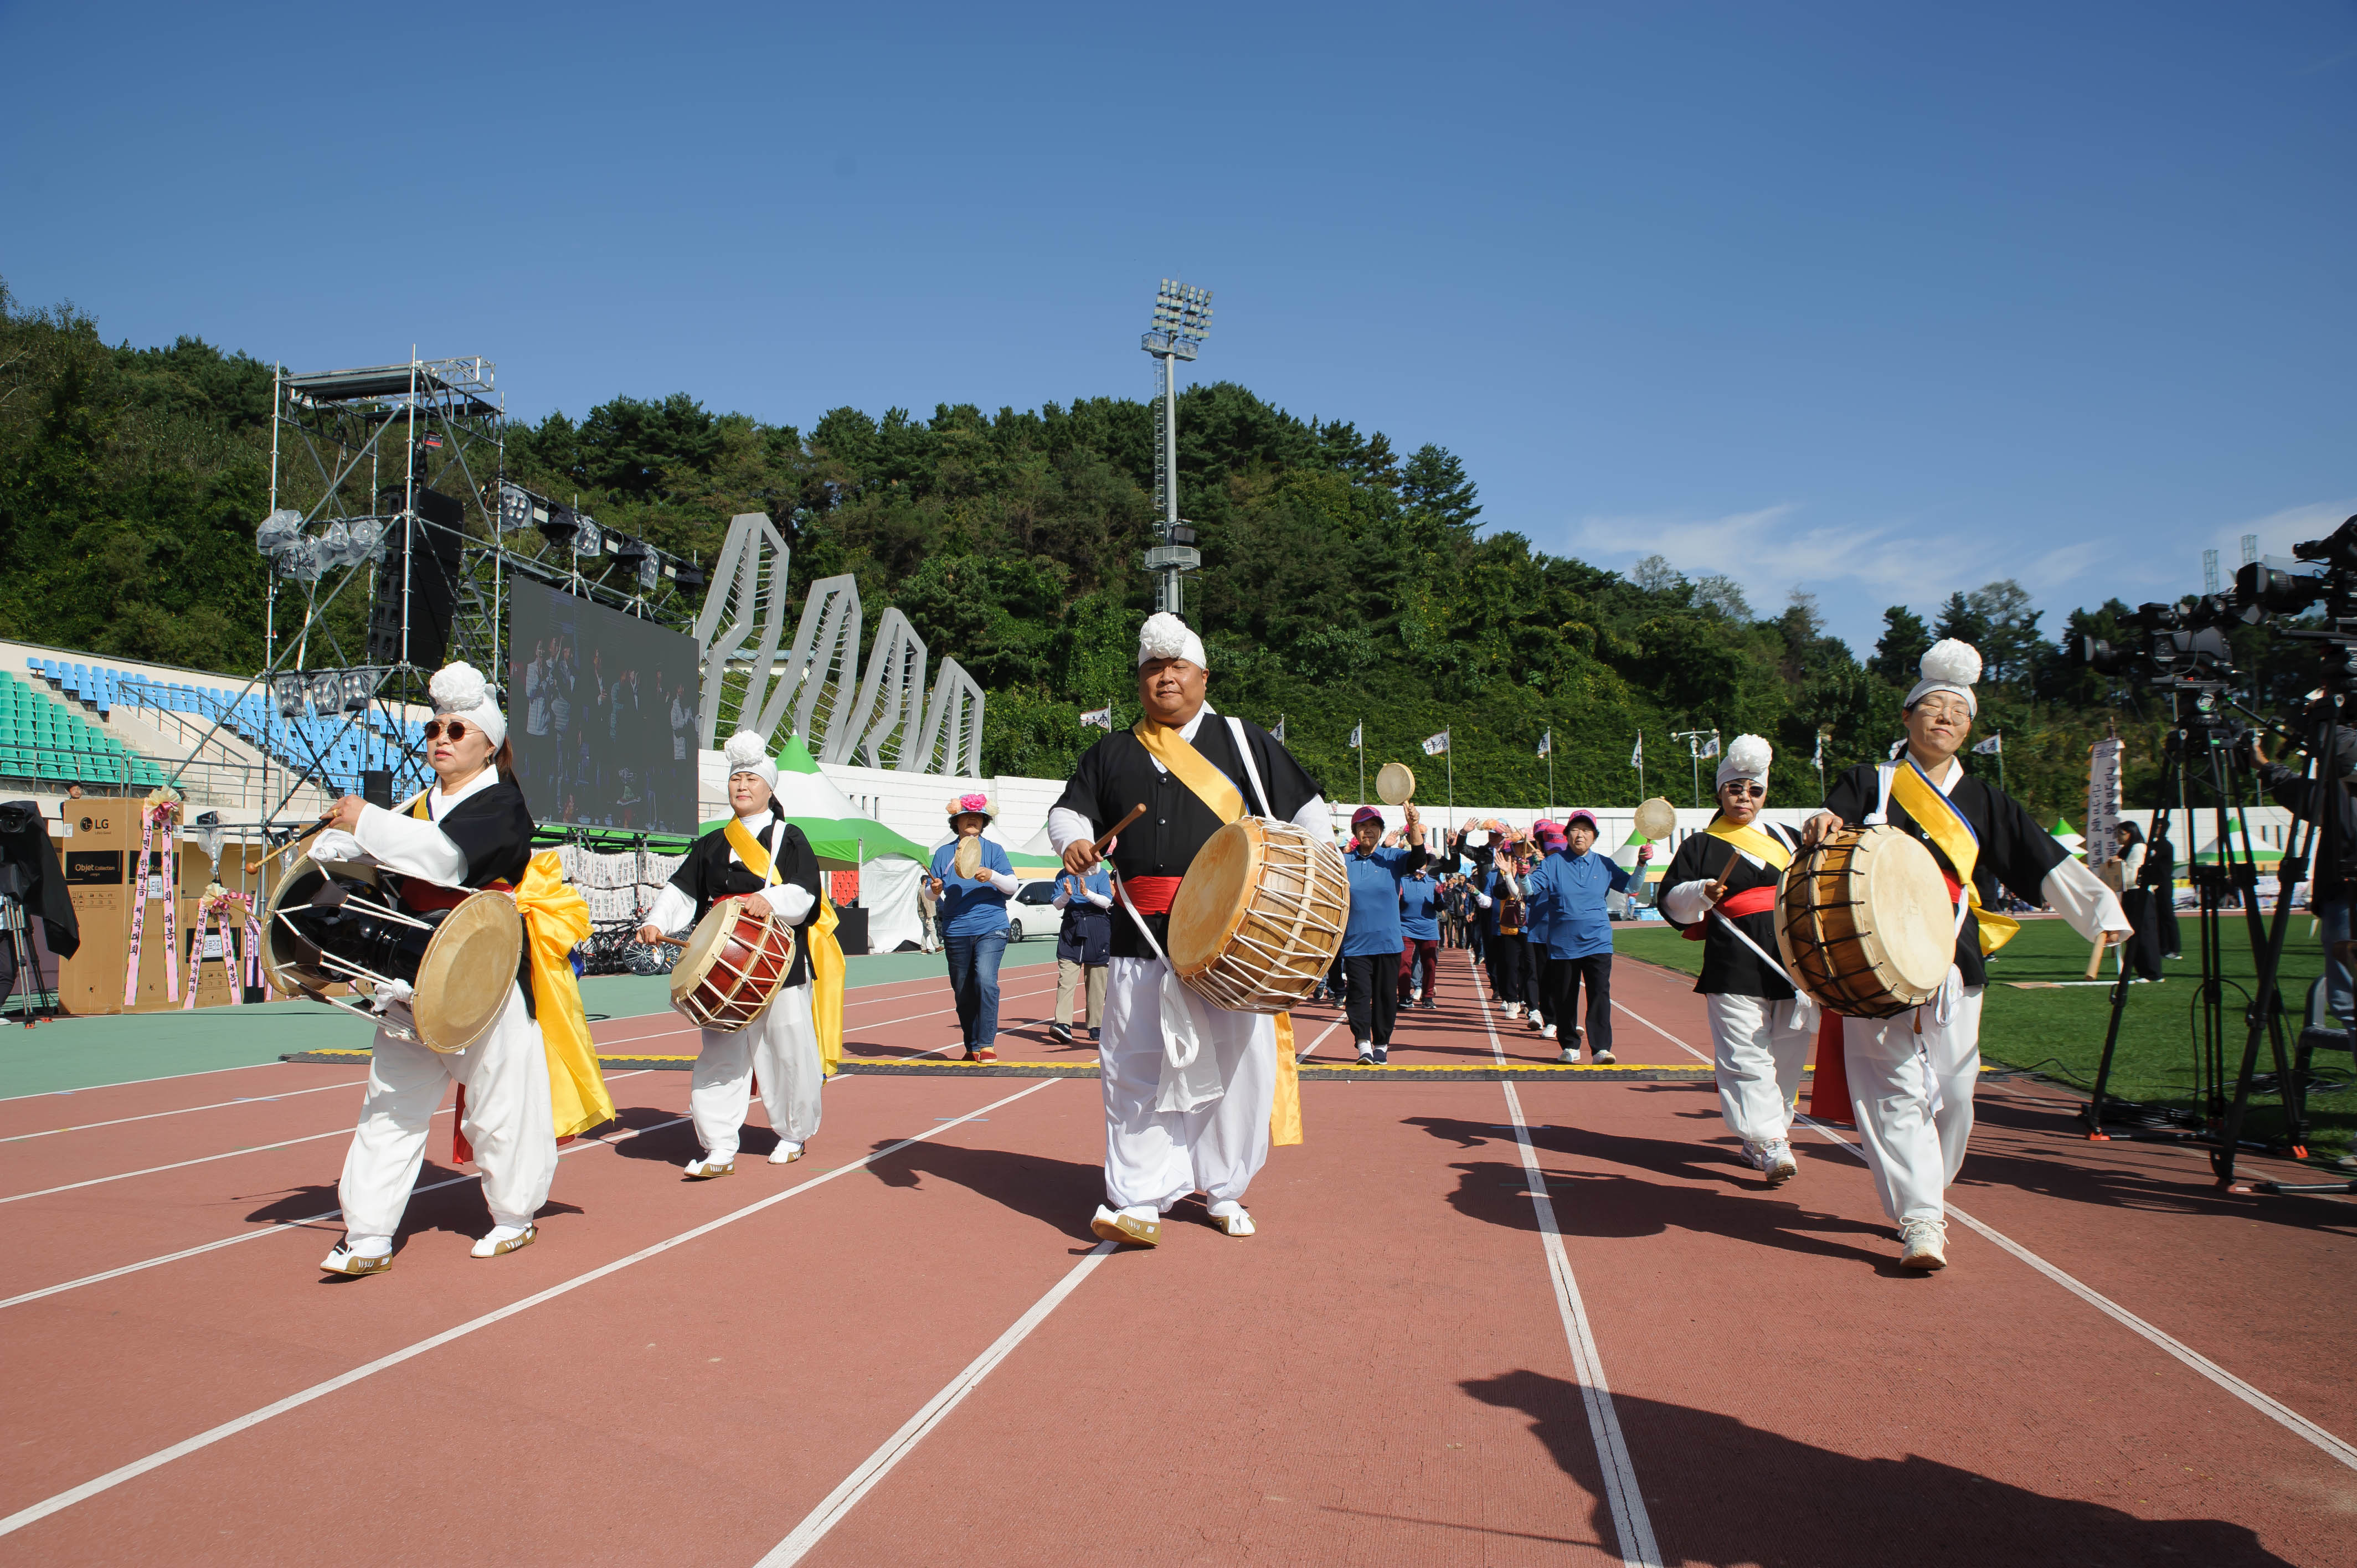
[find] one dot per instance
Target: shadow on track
(1608, 1204)
(1778, 1503)
(1058, 1193)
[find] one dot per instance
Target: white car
(1032, 911)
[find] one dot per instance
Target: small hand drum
(1395, 784)
(966, 861)
(732, 968)
(1656, 820)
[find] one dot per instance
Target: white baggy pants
(1156, 1157)
(507, 1121)
(1912, 1096)
(1759, 1058)
(781, 1050)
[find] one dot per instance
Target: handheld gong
(1395, 784)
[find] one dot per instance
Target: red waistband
(1750, 901)
(426, 897)
(1152, 895)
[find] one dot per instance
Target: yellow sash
(1946, 827)
(555, 921)
(1190, 768)
(1751, 841)
(1211, 787)
(826, 965)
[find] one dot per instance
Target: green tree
(1898, 652)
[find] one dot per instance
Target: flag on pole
(1818, 761)
(1277, 735)
(1637, 757)
(1433, 744)
(1710, 746)
(1992, 747)
(1355, 741)
(1546, 742)
(1103, 719)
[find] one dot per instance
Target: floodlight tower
(1183, 319)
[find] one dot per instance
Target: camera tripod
(2220, 748)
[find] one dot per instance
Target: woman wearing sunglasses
(469, 830)
(1723, 880)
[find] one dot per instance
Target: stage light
(560, 525)
(687, 574)
(327, 694)
(278, 532)
(359, 685)
(588, 538)
(288, 690)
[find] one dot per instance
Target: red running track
(1391, 1370)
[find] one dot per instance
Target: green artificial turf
(2059, 1032)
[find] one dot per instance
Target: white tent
(889, 866)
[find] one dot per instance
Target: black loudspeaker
(376, 787)
(417, 585)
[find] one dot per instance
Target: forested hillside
(1345, 579)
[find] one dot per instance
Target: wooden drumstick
(1134, 812)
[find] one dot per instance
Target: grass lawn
(2060, 1033)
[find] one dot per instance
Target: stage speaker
(376, 787)
(417, 585)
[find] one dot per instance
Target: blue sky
(1878, 301)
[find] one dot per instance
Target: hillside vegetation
(1345, 580)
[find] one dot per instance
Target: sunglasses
(1757, 791)
(454, 728)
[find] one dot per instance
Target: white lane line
(183, 1164)
(161, 1457)
(188, 1110)
(876, 1466)
(2265, 1403)
(1631, 1524)
(282, 1226)
(1310, 1050)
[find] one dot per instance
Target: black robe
(1117, 773)
(2014, 849)
(708, 875)
(493, 829)
(1728, 968)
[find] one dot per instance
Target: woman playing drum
(1168, 1135)
(1723, 881)
(1915, 1116)
(764, 859)
(475, 832)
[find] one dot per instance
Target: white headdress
(1747, 757)
(459, 690)
(748, 753)
(1950, 666)
(1164, 635)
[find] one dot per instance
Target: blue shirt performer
(1371, 941)
(1083, 944)
(1567, 893)
(1421, 899)
(972, 916)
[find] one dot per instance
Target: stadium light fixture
(1183, 319)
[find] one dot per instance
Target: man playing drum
(1721, 881)
(471, 831)
(1193, 771)
(1911, 1076)
(766, 859)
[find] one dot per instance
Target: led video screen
(601, 711)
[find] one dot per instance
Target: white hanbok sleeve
(672, 910)
(793, 901)
(2081, 897)
(1316, 816)
(1686, 903)
(410, 846)
(1067, 827)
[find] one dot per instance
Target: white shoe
(1550, 1031)
(359, 1256)
(1416, 994)
(1533, 1021)
(1776, 1159)
(785, 1154)
(501, 1239)
(1923, 1244)
(1366, 1053)
(707, 1167)
(1230, 1215)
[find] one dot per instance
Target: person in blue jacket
(972, 919)
(1547, 841)
(1420, 903)
(1567, 893)
(1084, 945)
(1371, 942)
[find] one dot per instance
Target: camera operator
(2328, 892)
